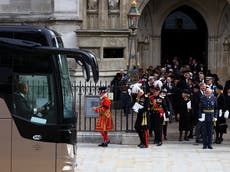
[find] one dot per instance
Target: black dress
(185, 116)
(221, 126)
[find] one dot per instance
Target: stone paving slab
(170, 157)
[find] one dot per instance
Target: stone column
(226, 55)
(212, 61)
(92, 14)
(155, 51)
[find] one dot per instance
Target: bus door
(5, 135)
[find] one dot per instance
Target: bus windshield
(68, 105)
(28, 89)
(35, 85)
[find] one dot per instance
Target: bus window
(34, 99)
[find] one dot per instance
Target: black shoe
(103, 144)
(217, 141)
(210, 147)
(198, 141)
(159, 144)
(165, 138)
(108, 142)
(190, 136)
(142, 146)
(186, 139)
(205, 147)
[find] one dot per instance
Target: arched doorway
(184, 34)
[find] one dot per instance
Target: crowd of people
(190, 94)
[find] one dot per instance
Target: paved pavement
(172, 156)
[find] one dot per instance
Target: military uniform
(104, 122)
(208, 107)
(158, 107)
(141, 121)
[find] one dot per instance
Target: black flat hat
(103, 88)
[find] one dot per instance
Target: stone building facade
(166, 29)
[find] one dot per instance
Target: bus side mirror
(86, 59)
(85, 68)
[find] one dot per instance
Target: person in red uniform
(104, 122)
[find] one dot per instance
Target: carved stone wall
(95, 24)
(223, 51)
(111, 16)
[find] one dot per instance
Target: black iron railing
(121, 121)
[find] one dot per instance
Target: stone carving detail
(225, 27)
(92, 6)
(114, 6)
(145, 23)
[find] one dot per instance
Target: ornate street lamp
(133, 17)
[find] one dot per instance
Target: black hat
(209, 77)
(102, 89)
(196, 86)
(216, 77)
(157, 88)
(186, 91)
(176, 77)
(151, 87)
(220, 87)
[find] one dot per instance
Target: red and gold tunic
(105, 122)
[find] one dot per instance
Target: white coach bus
(37, 109)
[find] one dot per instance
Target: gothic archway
(184, 34)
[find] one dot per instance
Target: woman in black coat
(221, 126)
(185, 115)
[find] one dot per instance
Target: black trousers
(158, 134)
(165, 127)
(143, 136)
(157, 127)
(207, 129)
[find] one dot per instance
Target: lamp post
(133, 17)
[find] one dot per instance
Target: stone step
(127, 138)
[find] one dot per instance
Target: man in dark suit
(196, 101)
(22, 106)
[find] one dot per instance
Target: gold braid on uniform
(144, 120)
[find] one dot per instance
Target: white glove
(226, 114)
(214, 119)
(202, 117)
(166, 119)
(129, 91)
(220, 113)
